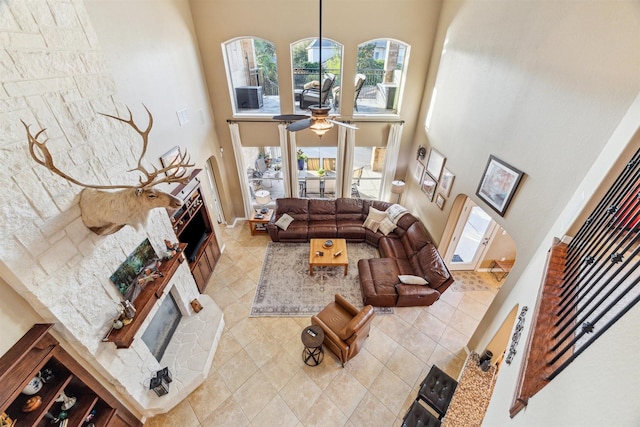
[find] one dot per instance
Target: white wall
(543, 86)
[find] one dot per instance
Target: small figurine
(148, 277)
(172, 248)
(127, 311)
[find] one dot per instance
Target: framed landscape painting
(498, 184)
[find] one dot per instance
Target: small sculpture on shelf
(150, 273)
(127, 311)
(172, 249)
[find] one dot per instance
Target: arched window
(308, 87)
(380, 73)
(252, 72)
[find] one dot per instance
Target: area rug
(469, 281)
(286, 288)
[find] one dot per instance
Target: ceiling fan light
(321, 126)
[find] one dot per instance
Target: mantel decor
(144, 302)
(498, 184)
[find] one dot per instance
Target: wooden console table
(504, 266)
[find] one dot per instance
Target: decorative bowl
(32, 404)
(33, 386)
(328, 244)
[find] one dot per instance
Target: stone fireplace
(57, 265)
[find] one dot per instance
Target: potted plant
(301, 158)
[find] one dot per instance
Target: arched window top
(380, 70)
(252, 74)
(305, 67)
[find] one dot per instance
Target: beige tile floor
(258, 377)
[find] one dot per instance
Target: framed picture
(446, 181)
(428, 185)
(171, 156)
(498, 184)
(440, 201)
(435, 163)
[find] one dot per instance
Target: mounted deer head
(105, 212)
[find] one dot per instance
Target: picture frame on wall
(440, 201)
(428, 185)
(498, 184)
(446, 182)
(435, 163)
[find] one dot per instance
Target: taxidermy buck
(105, 212)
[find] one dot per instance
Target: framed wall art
(498, 184)
(435, 163)
(440, 201)
(428, 185)
(446, 181)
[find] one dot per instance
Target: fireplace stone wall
(54, 76)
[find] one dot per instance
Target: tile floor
(258, 376)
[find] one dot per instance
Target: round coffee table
(312, 338)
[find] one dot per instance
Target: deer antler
(175, 171)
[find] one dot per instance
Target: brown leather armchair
(345, 327)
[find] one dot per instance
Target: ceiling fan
(319, 121)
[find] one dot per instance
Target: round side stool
(312, 338)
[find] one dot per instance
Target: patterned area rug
(286, 288)
(469, 281)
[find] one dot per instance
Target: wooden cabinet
(192, 225)
(38, 351)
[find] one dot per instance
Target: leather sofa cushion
(351, 230)
(391, 247)
(432, 266)
(296, 232)
(380, 293)
(336, 318)
(298, 209)
(349, 209)
(323, 228)
(415, 238)
(322, 210)
(416, 295)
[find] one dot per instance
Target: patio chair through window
(315, 95)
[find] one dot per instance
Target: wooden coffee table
(328, 259)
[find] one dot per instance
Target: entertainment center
(192, 225)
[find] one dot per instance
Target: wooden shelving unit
(192, 225)
(38, 350)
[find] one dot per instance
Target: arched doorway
(475, 242)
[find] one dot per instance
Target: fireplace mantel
(145, 301)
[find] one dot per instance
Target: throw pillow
(373, 219)
(408, 279)
(387, 226)
(284, 221)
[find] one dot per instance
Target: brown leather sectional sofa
(407, 250)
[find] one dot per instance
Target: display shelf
(38, 350)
